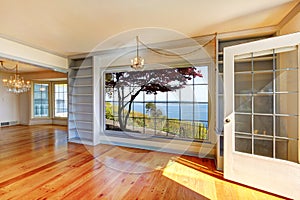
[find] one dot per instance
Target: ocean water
(178, 111)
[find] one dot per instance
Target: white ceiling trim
(16, 51)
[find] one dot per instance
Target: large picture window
(41, 100)
(169, 102)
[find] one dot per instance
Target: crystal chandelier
(15, 84)
(138, 61)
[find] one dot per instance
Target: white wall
(9, 103)
(25, 108)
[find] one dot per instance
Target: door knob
(227, 120)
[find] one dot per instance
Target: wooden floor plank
(36, 162)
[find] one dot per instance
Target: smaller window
(41, 100)
(60, 100)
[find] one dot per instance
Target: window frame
(51, 99)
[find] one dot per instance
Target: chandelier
(138, 61)
(15, 84)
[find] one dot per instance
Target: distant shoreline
(177, 111)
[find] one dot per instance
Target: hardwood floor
(36, 162)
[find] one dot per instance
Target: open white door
(262, 123)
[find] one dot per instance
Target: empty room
(150, 99)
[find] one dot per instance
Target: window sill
(149, 137)
(40, 118)
(178, 146)
(60, 118)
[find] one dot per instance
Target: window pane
(242, 83)
(187, 94)
(263, 64)
(149, 97)
(174, 96)
(243, 143)
(285, 80)
(186, 111)
(263, 104)
(243, 104)
(161, 109)
(60, 100)
(287, 127)
(204, 78)
(263, 82)
(174, 111)
(243, 123)
(40, 100)
(242, 66)
(263, 146)
(201, 93)
(287, 104)
(201, 111)
(263, 125)
(161, 97)
(287, 150)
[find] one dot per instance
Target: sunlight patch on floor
(190, 178)
(207, 185)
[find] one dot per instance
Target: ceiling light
(15, 84)
(138, 61)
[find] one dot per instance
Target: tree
(108, 111)
(128, 85)
(152, 110)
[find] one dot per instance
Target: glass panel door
(261, 98)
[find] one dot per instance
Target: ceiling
(74, 26)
